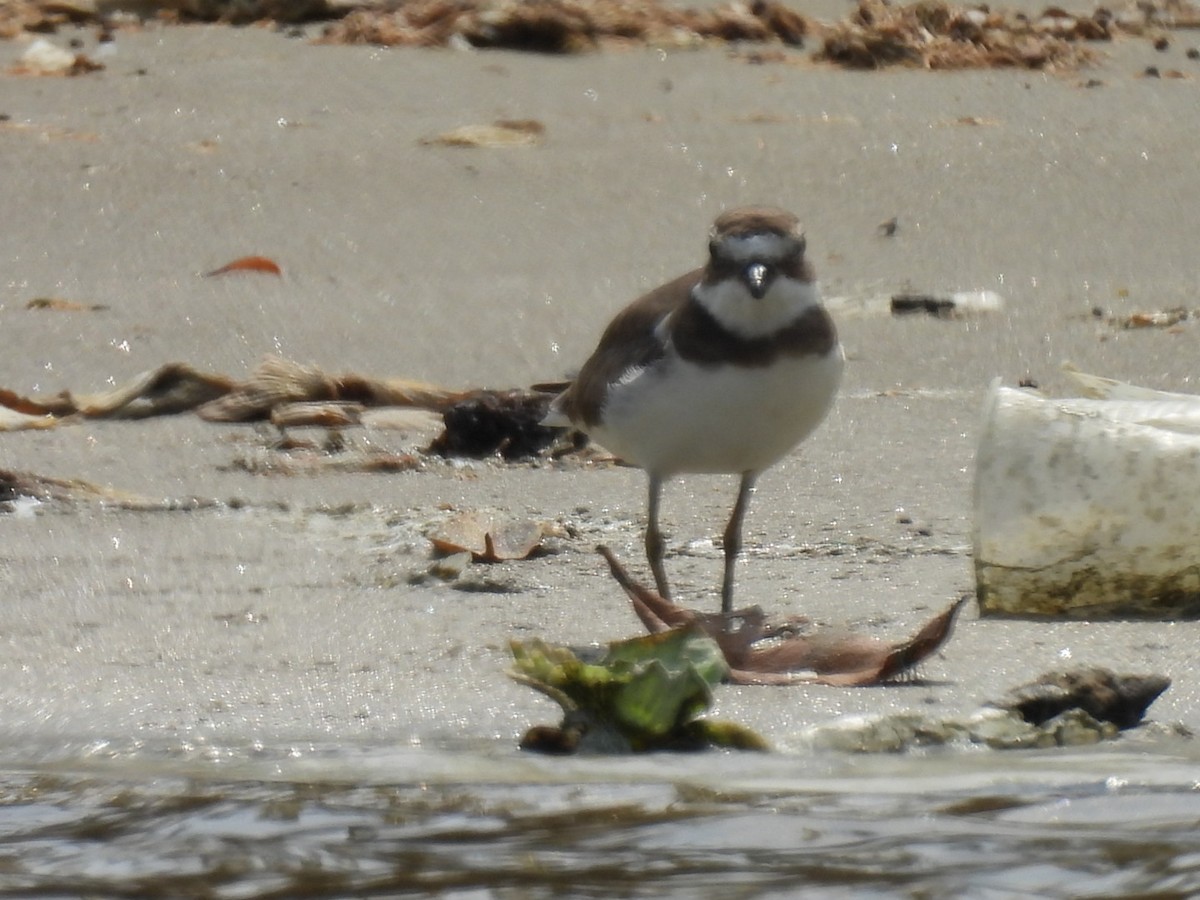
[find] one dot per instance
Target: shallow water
(327, 821)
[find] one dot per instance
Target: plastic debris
(1085, 507)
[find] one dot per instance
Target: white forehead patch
(743, 248)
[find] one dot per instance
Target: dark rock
(1103, 694)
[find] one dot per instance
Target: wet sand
(294, 616)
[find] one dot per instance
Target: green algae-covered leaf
(657, 700)
(644, 694)
(560, 674)
(678, 650)
(730, 735)
(670, 679)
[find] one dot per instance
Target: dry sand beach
(296, 618)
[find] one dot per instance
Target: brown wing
(629, 342)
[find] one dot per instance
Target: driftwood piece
(477, 422)
(277, 382)
(167, 390)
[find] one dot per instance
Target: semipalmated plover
(723, 370)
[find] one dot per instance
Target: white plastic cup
(1088, 508)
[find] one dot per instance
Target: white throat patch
(737, 311)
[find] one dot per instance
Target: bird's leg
(733, 537)
(654, 539)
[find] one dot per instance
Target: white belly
(679, 417)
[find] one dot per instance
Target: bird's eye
(719, 261)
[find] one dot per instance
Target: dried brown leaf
(487, 538)
(835, 657)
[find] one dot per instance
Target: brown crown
(756, 220)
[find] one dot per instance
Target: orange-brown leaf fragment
(248, 264)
